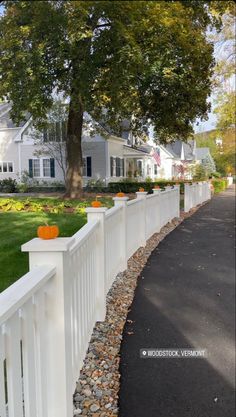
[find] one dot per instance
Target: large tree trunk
(74, 172)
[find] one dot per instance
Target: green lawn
(18, 227)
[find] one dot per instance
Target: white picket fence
(47, 316)
(196, 193)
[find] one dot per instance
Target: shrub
(95, 185)
(216, 174)
(219, 184)
(132, 187)
(200, 173)
(8, 185)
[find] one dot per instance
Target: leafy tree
(146, 61)
(225, 110)
(200, 173)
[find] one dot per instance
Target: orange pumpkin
(141, 190)
(120, 194)
(48, 232)
(96, 204)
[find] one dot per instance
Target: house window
(140, 168)
(6, 167)
(46, 168)
(155, 169)
(36, 168)
(148, 170)
(55, 132)
(42, 168)
(87, 166)
(117, 167)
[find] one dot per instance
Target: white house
(106, 157)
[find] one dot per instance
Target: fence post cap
(60, 244)
(141, 193)
(120, 198)
(95, 209)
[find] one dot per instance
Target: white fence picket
(113, 241)
(134, 226)
(13, 365)
(29, 362)
(3, 394)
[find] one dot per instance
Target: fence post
(122, 201)
(142, 195)
(186, 197)
(98, 213)
(177, 187)
(59, 370)
(157, 191)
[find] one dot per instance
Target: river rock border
(97, 389)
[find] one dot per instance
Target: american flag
(156, 155)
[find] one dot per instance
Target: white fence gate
(47, 316)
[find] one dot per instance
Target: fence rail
(47, 316)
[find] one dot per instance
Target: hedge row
(132, 187)
(219, 184)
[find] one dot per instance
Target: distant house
(106, 157)
(203, 156)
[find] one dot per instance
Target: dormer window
(55, 132)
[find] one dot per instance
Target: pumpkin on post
(48, 232)
(120, 194)
(96, 204)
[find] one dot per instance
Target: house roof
(175, 148)
(148, 148)
(130, 151)
(5, 118)
(202, 153)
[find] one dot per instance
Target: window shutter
(123, 163)
(31, 168)
(117, 167)
(111, 160)
(89, 166)
(52, 167)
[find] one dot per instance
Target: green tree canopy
(146, 61)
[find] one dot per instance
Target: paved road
(184, 299)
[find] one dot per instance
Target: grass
(17, 228)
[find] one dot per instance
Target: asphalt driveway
(185, 298)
